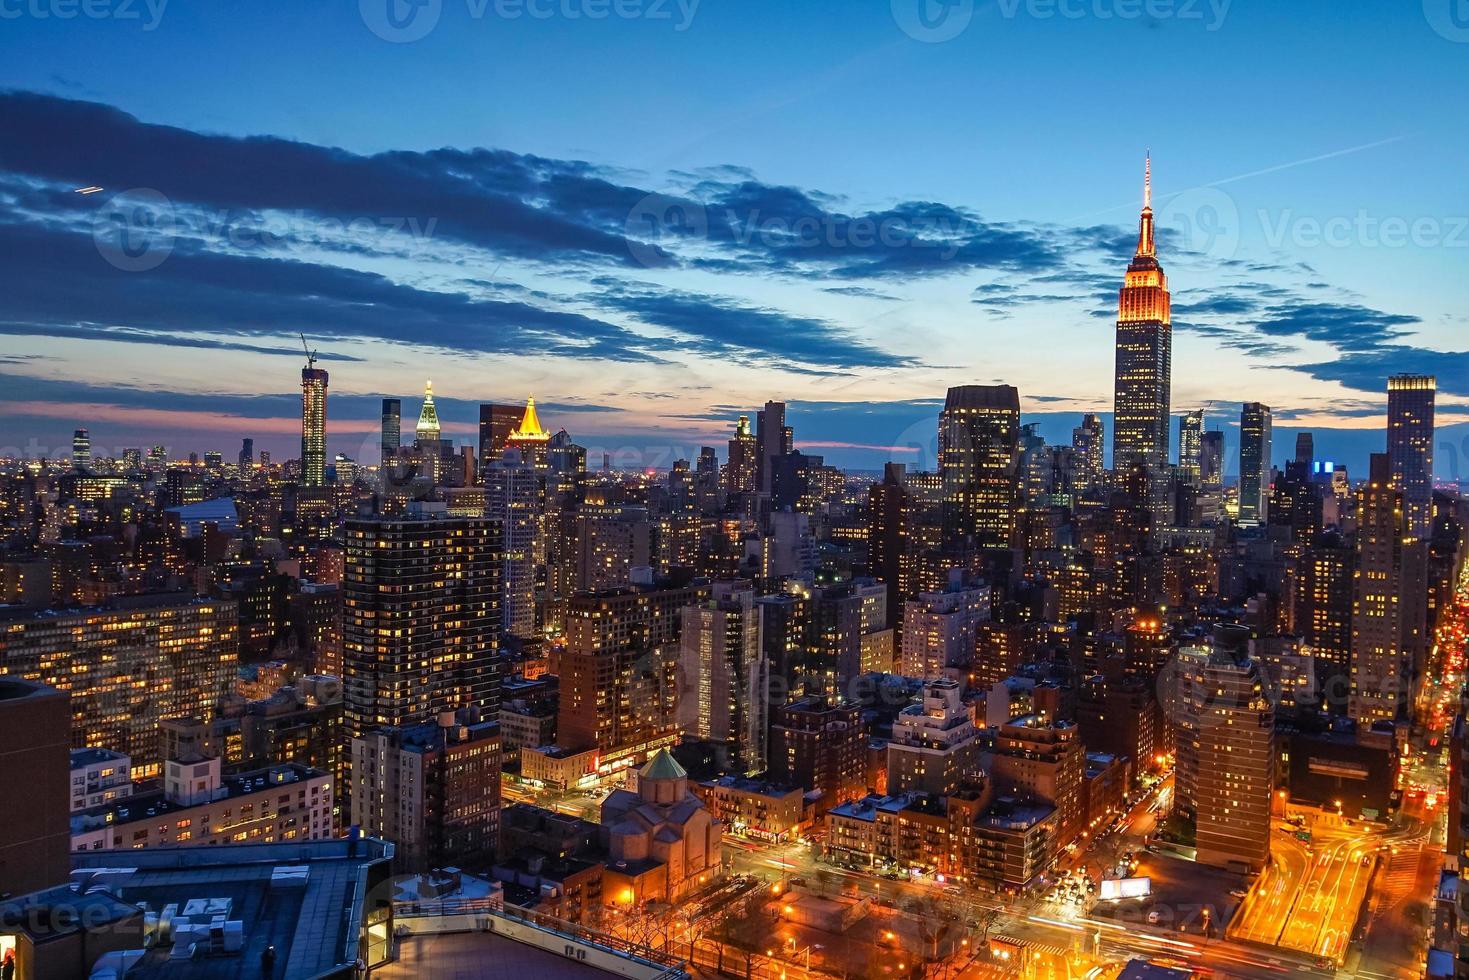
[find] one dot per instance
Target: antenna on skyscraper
(310, 354)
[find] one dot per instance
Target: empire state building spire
(1143, 379)
(1145, 242)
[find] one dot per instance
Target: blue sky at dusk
(655, 215)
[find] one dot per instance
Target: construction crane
(310, 354)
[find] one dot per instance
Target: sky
(654, 215)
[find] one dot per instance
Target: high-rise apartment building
(724, 678)
(941, 629)
(935, 745)
(1225, 726)
(1321, 613)
(515, 498)
(1379, 682)
(741, 470)
(1144, 363)
(979, 459)
(433, 789)
(1087, 441)
(1410, 409)
(421, 617)
(1191, 446)
(247, 457)
(1038, 759)
(820, 745)
(619, 671)
(1254, 462)
(127, 665)
(313, 424)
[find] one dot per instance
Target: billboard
(1117, 889)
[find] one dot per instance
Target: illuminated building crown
(428, 418)
(1144, 297)
(530, 425)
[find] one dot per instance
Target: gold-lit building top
(1144, 297)
(530, 428)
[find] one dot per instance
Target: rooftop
(746, 784)
(153, 802)
(81, 758)
(314, 922)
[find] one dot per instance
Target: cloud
(721, 326)
(1369, 370)
(1346, 327)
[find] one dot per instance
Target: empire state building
(1144, 351)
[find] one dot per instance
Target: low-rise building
(558, 768)
(198, 805)
(754, 807)
(99, 776)
(1001, 844)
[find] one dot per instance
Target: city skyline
(686, 275)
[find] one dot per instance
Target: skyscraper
(740, 471)
(247, 457)
(1086, 440)
(1191, 446)
(1225, 725)
(313, 424)
(724, 678)
(1144, 351)
(421, 617)
(1211, 460)
(1378, 688)
(1305, 451)
(530, 438)
(428, 430)
(773, 439)
(515, 497)
(427, 447)
(81, 450)
(1255, 429)
(979, 458)
(496, 422)
(1410, 405)
(392, 435)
